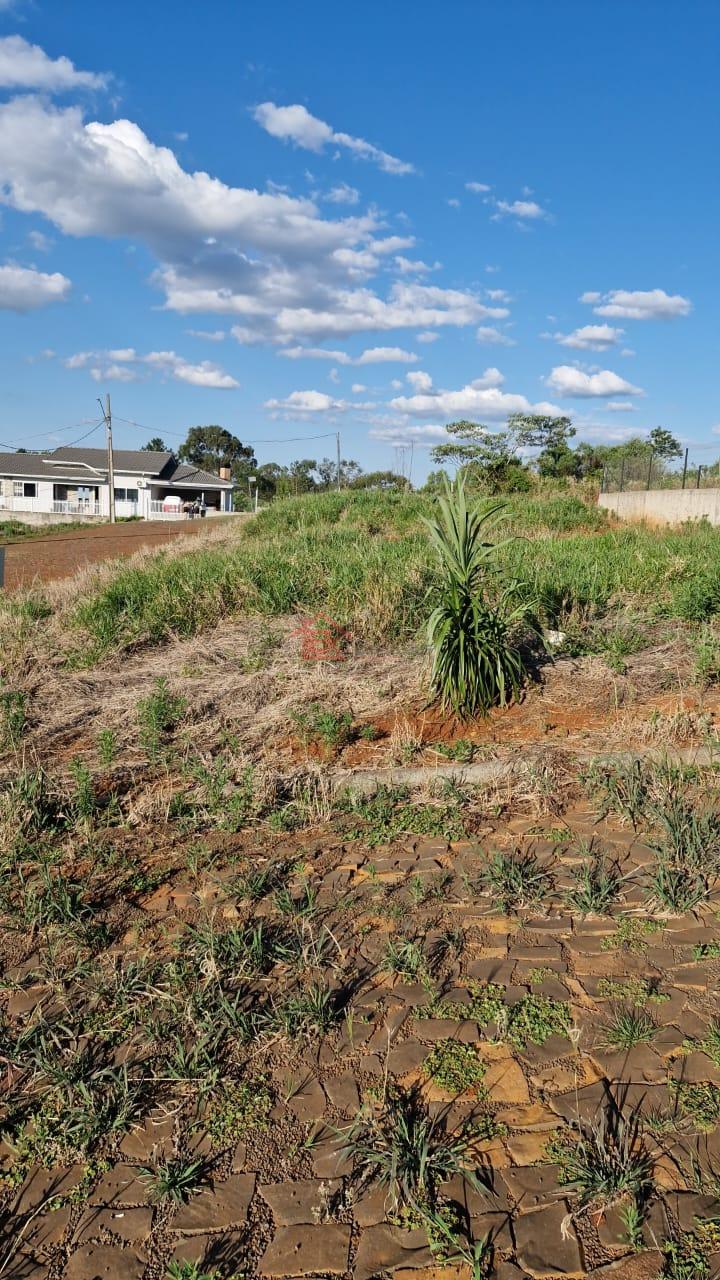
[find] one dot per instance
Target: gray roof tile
(77, 463)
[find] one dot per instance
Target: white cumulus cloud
(371, 355)
(479, 188)
(488, 335)
(342, 194)
(589, 337)
(567, 380)
(295, 124)
(481, 398)
(638, 304)
(424, 437)
(24, 289)
(267, 259)
(525, 210)
(128, 365)
(307, 402)
(27, 66)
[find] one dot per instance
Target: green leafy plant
(686, 1258)
(158, 714)
(189, 1271)
(107, 747)
(532, 1020)
(455, 1067)
(631, 935)
(475, 664)
(463, 750)
(321, 724)
(236, 1107)
(13, 716)
(389, 814)
(699, 1103)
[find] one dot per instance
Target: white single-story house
(71, 483)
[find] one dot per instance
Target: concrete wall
(664, 506)
(40, 518)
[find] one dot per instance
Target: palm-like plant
(475, 665)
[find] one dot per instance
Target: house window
(126, 495)
(24, 489)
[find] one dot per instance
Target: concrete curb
(367, 781)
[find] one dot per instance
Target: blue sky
(385, 219)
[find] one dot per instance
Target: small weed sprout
(13, 717)
(84, 802)
(189, 1271)
(405, 958)
(173, 1180)
(158, 715)
(321, 725)
(107, 747)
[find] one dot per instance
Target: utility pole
(339, 465)
(110, 466)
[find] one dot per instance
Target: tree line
(506, 461)
(212, 447)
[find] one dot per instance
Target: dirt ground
(229, 989)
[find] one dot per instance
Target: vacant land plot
(301, 976)
(42, 555)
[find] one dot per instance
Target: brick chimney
(224, 473)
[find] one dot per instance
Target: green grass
(13, 530)
(365, 558)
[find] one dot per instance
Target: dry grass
(68, 709)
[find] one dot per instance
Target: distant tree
(327, 472)
(387, 480)
(550, 435)
(436, 481)
(212, 447)
(664, 444)
(156, 445)
(589, 459)
(487, 459)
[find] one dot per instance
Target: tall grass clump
(475, 665)
(375, 585)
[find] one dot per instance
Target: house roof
(89, 466)
(185, 474)
(32, 466)
(144, 461)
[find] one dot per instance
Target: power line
(327, 435)
(15, 447)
